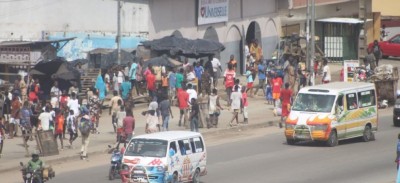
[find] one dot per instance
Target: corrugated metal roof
(21, 43)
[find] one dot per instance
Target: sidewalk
(260, 115)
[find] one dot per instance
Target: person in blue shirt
(125, 89)
(132, 77)
(172, 83)
(101, 87)
(261, 77)
(198, 71)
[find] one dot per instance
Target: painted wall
(85, 42)
(386, 7)
(31, 20)
(166, 17)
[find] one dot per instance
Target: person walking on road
(183, 100)
(327, 72)
(115, 108)
(216, 64)
(236, 99)
(128, 126)
(276, 88)
(261, 78)
(286, 98)
(377, 51)
(152, 123)
(84, 128)
(214, 108)
(244, 106)
(72, 128)
(165, 109)
(397, 160)
(194, 115)
(229, 80)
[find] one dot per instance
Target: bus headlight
(289, 126)
(319, 127)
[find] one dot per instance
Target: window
(172, 148)
(147, 148)
(192, 145)
(351, 101)
(199, 144)
(314, 102)
(184, 147)
(366, 98)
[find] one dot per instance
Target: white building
(93, 22)
(231, 22)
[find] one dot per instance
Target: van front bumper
(306, 135)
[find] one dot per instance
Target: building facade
(232, 22)
(92, 22)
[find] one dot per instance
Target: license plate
(303, 136)
(138, 172)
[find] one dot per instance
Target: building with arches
(232, 22)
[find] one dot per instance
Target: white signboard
(212, 11)
(350, 69)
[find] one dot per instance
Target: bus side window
(172, 148)
(352, 102)
(192, 145)
(339, 105)
(182, 147)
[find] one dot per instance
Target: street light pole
(119, 33)
(312, 49)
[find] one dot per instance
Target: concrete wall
(167, 16)
(31, 20)
(386, 7)
(85, 42)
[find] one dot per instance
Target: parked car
(396, 113)
(390, 48)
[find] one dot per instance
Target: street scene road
(262, 155)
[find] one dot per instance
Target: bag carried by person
(84, 126)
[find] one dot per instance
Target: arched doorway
(270, 40)
(253, 33)
(211, 34)
(233, 46)
(177, 33)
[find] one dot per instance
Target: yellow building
(387, 8)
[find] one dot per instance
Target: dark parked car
(390, 48)
(396, 113)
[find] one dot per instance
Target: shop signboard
(212, 11)
(349, 68)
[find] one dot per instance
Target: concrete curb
(208, 133)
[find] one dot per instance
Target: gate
(338, 41)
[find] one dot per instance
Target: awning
(22, 43)
(342, 20)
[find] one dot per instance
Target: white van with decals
(173, 156)
(333, 112)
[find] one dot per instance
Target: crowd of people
(192, 87)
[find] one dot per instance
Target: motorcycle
(116, 163)
(31, 176)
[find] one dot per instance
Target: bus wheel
(196, 176)
(290, 141)
(332, 141)
(367, 134)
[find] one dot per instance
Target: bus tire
(332, 141)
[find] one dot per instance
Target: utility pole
(312, 49)
(308, 45)
(119, 33)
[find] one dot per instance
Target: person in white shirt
(192, 92)
(216, 64)
(236, 98)
(73, 104)
(45, 118)
(120, 76)
(327, 72)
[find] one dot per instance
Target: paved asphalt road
(267, 158)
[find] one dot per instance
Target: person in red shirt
(229, 80)
(183, 101)
(151, 83)
(32, 94)
(59, 123)
(276, 88)
(286, 98)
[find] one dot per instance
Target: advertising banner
(350, 70)
(212, 11)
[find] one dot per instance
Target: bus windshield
(147, 148)
(313, 102)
